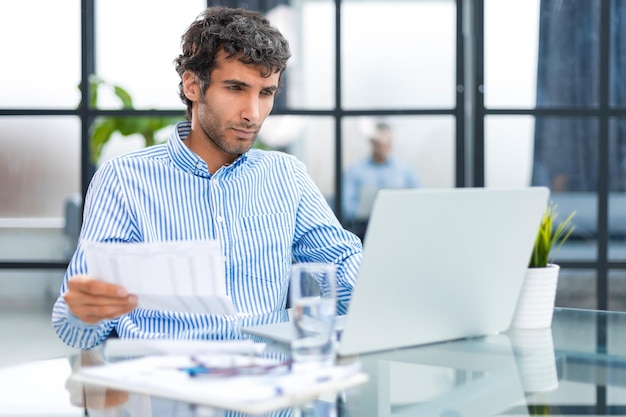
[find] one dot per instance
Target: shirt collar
(186, 159)
(387, 162)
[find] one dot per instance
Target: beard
(217, 132)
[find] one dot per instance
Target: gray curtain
(566, 148)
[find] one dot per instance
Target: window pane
(398, 54)
(617, 186)
(38, 177)
(617, 81)
(617, 154)
(552, 152)
(310, 76)
(511, 53)
(568, 62)
(576, 289)
(508, 150)
(420, 151)
(107, 140)
(40, 54)
(566, 153)
(311, 139)
(617, 290)
(583, 243)
(42, 167)
(119, 63)
(136, 44)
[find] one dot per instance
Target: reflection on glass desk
(578, 367)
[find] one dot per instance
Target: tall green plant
(550, 237)
(105, 126)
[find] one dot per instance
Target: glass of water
(313, 295)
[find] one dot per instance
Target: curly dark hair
(241, 33)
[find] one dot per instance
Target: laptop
(367, 196)
(438, 265)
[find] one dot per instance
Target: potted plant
(550, 238)
(536, 302)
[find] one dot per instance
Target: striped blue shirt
(264, 209)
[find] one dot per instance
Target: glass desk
(578, 367)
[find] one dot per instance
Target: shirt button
(220, 219)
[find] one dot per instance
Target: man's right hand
(92, 300)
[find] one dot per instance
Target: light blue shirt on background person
(363, 179)
(264, 209)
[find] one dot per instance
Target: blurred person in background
(363, 179)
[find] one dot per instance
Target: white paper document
(164, 376)
(183, 276)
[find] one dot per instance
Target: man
(379, 170)
(207, 183)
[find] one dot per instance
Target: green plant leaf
(128, 125)
(550, 238)
(125, 98)
(101, 132)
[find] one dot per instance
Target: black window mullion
(460, 98)
(478, 143)
(604, 43)
(88, 67)
(338, 115)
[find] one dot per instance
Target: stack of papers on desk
(185, 276)
(162, 376)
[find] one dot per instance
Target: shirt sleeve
(320, 237)
(105, 218)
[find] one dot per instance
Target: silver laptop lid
(441, 265)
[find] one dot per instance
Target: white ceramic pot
(535, 305)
